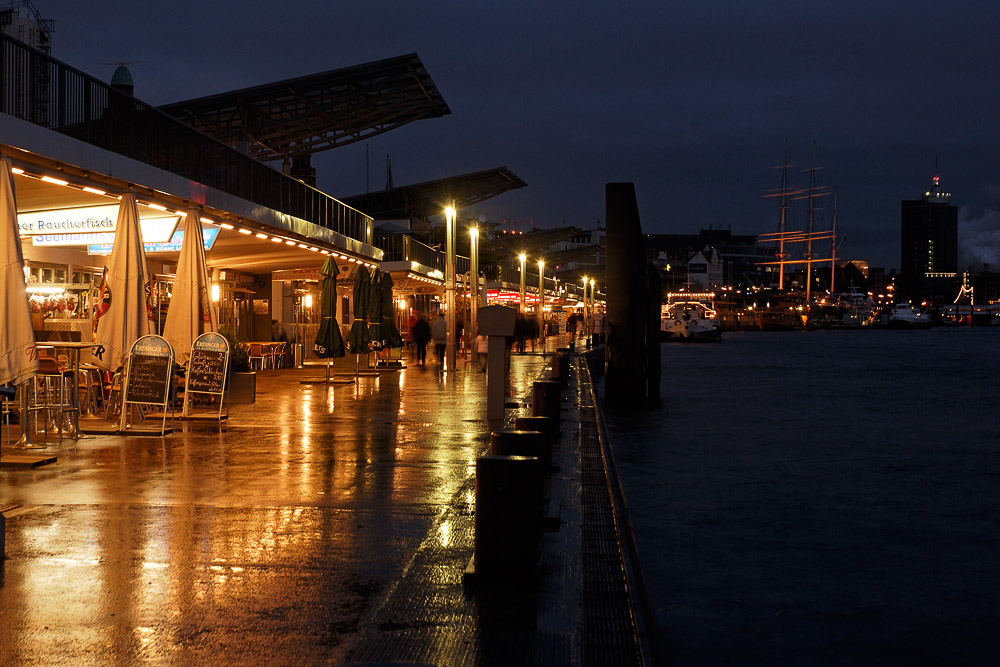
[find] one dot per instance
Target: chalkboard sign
(207, 366)
(149, 368)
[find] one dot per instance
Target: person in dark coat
(421, 333)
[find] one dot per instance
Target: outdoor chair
(256, 352)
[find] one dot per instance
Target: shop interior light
(225, 225)
(54, 181)
(93, 191)
(309, 300)
(245, 231)
(215, 292)
(44, 289)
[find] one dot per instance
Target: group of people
(525, 328)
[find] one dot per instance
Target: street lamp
(541, 303)
(449, 286)
(524, 258)
(585, 298)
(474, 289)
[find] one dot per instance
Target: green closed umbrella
(357, 338)
(329, 343)
(389, 329)
(374, 311)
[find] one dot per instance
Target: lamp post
(474, 289)
(541, 304)
(524, 258)
(449, 286)
(585, 309)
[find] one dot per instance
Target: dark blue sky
(693, 102)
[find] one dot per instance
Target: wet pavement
(325, 523)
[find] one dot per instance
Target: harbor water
(821, 498)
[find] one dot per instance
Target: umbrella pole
(329, 362)
(24, 442)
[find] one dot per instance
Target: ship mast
(783, 207)
(811, 214)
(833, 244)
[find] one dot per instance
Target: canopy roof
(422, 200)
(313, 113)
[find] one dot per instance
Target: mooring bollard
(522, 442)
(546, 400)
(539, 423)
(508, 515)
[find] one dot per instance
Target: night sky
(694, 102)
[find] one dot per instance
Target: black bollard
(522, 443)
(508, 515)
(546, 400)
(539, 423)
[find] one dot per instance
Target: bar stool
(7, 393)
(52, 394)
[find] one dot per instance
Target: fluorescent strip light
(245, 231)
(276, 239)
(261, 235)
(314, 249)
(289, 242)
(156, 206)
(208, 221)
(93, 191)
(56, 181)
(16, 170)
(226, 225)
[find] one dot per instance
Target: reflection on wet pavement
(267, 541)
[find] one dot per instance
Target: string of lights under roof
(183, 213)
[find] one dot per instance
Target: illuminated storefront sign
(88, 225)
(208, 234)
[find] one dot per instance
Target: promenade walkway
(323, 524)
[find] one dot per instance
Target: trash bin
(297, 355)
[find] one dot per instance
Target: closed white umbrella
(191, 311)
(124, 313)
(18, 358)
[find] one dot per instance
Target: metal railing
(41, 90)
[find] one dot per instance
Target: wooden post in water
(625, 277)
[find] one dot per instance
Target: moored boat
(689, 321)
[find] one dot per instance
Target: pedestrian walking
(439, 332)
(420, 332)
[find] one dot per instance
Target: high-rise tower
(928, 263)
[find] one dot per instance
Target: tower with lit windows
(928, 263)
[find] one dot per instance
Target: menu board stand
(147, 379)
(206, 372)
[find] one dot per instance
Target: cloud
(979, 239)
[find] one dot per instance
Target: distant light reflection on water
(821, 498)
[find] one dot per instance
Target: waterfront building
(928, 262)
(77, 144)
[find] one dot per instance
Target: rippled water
(821, 498)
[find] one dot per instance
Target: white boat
(689, 321)
(905, 316)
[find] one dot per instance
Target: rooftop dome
(122, 77)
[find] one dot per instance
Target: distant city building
(928, 263)
(741, 255)
(705, 269)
